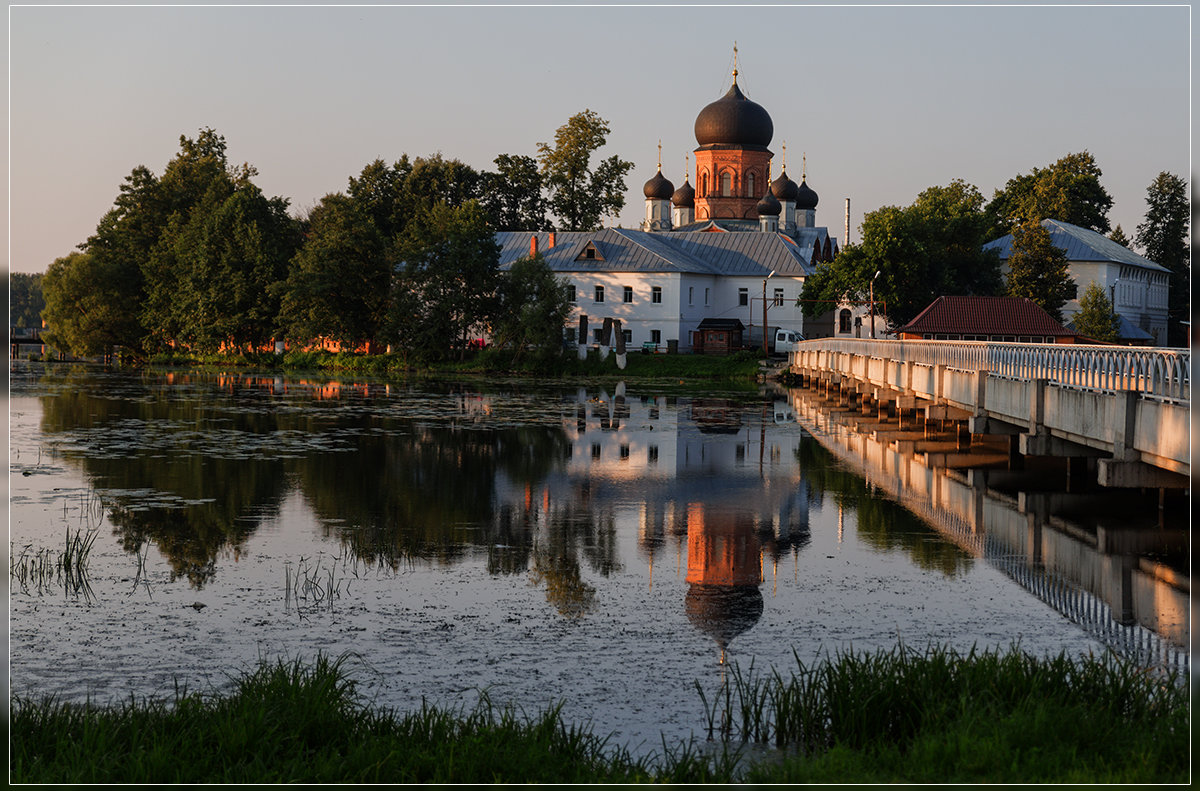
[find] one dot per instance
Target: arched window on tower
(750, 193)
(844, 321)
(726, 184)
(703, 185)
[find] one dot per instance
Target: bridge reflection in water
(1110, 562)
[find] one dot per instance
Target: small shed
(718, 336)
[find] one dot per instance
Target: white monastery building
(1135, 285)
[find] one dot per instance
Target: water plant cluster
(44, 570)
(933, 716)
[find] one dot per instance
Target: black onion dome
(769, 206)
(734, 120)
(685, 196)
(784, 188)
(805, 197)
(658, 188)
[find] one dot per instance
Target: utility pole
(765, 279)
(873, 303)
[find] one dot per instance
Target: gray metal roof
(734, 253)
(1080, 244)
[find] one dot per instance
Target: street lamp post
(765, 279)
(1112, 295)
(877, 271)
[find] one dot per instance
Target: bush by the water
(932, 716)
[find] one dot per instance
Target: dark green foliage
(512, 196)
(1037, 269)
(532, 309)
(85, 311)
(338, 284)
(1164, 237)
(1068, 190)
(923, 251)
(1118, 236)
(444, 293)
(25, 300)
(1095, 318)
(580, 196)
(223, 265)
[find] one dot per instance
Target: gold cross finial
(687, 166)
(735, 61)
(660, 153)
(803, 167)
(785, 157)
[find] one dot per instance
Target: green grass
(892, 716)
(941, 716)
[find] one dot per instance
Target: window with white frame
(598, 295)
(627, 294)
(743, 297)
(656, 295)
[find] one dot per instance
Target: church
(712, 262)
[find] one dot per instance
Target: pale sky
(884, 100)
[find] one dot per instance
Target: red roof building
(1011, 319)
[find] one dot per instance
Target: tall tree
(377, 191)
(229, 261)
(84, 314)
(579, 195)
(338, 284)
(1096, 319)
(1163, 235)
(532, 308)
(928, 249)
(1037, 269)
(512, 196)
(444, 293)
(200, 168)
(1068, 190)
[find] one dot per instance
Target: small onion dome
(784, 188)
(734, 120)
(685, 196)
(769, 206)
(805, 197)
(658, 188)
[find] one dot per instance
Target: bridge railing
(1158, 373)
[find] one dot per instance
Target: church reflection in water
(724, 574)
(717, 475)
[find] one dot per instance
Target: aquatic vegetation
(46, 569)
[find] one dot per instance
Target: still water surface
(604, 546)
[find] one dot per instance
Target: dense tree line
(934, 246)
(199, 259)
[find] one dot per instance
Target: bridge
(1121, 411)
